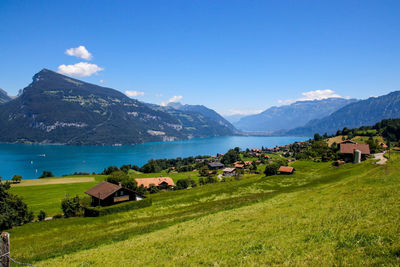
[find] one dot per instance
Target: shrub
(42, 215)
(16, 178)
(182, 184)
(271, 169)
(71, 206)
(153, 189)
(46, 174)
(130, 205)
(13, 211)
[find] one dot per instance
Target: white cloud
(80, 69)
(312, 95)
(134, 93)
(243, 112)
(175, 98)
(158, 95)
(101, 81)
(80, 52)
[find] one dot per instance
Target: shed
(347, 151)
(160, 182)
(105, 194)
(286, 170)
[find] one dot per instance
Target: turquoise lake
(31, 160)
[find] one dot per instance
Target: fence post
(4, 249)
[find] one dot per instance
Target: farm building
(160, 182)
(215, 165)
(347, 151)
(105, 194)
(229, 172)
(286, 170)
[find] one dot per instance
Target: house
(215, 165)
(347, 142)
(229, 172)
(105, 194)
(383, 145)
(248, 163)
(347, 151)
(286, 170)
(238, 165)
(160, 182)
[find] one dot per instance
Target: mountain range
(58, 109)
(361, 113)
(290, 116)
(4, 96)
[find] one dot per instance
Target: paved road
(381, 158)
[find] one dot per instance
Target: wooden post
(4, 249)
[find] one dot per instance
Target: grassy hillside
(321, 215)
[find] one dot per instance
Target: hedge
(130, 205)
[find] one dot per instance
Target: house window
(121, 193)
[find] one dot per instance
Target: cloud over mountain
(80, 52)
(81, 69)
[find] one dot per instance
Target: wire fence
(15, 261)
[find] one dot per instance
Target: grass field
(321, 215)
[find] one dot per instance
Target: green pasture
(320, 216)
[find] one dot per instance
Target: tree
(153, 189)
(317, 137)
(16, 178)
(271, 169)
(71, 207)
(231, 156)
(117, 177)
(110, 170)
(182, 184)
(13, 211)
(46, 174)
(42, 215)
(203, 171)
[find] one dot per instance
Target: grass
(321, 215)
(40, 194)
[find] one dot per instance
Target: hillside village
(230, 180)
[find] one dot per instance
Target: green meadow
(321, 215)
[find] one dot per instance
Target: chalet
(286, 170)
(347, 151)
(238, 165)
(160, 182)
(105, 194)
(347, 142)
(215, 165)
(248, 163)
(229, 172)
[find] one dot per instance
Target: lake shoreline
(30, 160)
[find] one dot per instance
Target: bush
(13, 211)
(71, 207)
(46, 174)
(41, 216)
(271, 169)
(130, 205)
(16, 179)
(153, 189)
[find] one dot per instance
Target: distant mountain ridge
(290, 116)
(206, 112)
(4, 97)
(58, 109)
(361, 113)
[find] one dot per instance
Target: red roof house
(286, 170)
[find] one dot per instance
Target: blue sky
(232, 56)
